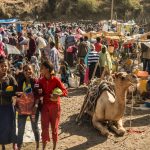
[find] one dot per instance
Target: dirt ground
(83, 137)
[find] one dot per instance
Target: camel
(111, 109)
(110, 106)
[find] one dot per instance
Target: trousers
(21, 127)
(50, 116)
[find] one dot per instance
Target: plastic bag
(74, 81)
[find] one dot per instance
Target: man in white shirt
(54, 56)
(40, 43)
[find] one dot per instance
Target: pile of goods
(95, 89)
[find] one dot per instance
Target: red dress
(50, 113)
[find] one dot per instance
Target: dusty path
(83, 137)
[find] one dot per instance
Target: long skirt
(70, 59)
(7, 124)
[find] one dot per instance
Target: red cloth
(116, 44)
(50, 113)
(127, 45)
(2, 53)
(25, 104)
(98, 47)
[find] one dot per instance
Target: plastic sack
(25, 104)
(74, 81)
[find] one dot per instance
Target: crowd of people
(28, 80)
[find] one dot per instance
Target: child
(51, 110)
(27, 91)
(65, 72)
(81, 70)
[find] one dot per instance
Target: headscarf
(18, 64)
(35, 63)
(2, 53)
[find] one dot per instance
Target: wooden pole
(112, 10)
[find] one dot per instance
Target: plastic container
(143, 74)
(147, 104)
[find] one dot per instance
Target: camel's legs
(98, 125)
(119, 130)
(120, 126)
(114, 129)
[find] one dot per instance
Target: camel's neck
(120, 101)
(120, 96)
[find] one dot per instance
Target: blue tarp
(5, 21)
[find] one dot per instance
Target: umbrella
(12, 49)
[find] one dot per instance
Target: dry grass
(19, 8)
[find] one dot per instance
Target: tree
(52, 5)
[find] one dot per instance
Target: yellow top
(142, 86)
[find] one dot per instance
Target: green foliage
(89, 5)
(129, 4)
(52, 5)
(91, 8)
(135, 4)
(87, 9)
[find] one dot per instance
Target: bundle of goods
(95, 89)
(143, 86)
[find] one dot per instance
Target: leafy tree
(52, 5)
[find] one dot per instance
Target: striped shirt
(93, 57)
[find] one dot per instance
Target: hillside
(74, 9)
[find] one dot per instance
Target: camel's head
(124, 79)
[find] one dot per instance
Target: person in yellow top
(105, 60)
